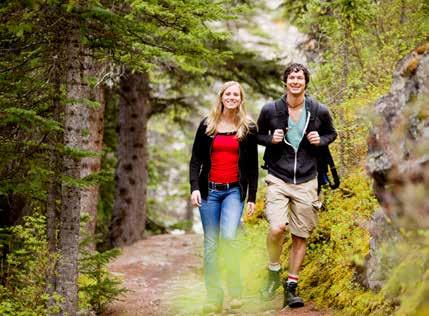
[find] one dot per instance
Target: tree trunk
(93, 142)
(129, 212)
(54, 192)
(75, 124)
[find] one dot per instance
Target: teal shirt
(295, 131)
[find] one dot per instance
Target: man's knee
(298, 239)
(277, 231)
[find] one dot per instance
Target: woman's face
(231, 98)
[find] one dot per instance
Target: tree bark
(54, 191)
(93, 141)
(74, 126)
(129, 212)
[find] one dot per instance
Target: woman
(223, 167)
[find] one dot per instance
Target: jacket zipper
(296, 151)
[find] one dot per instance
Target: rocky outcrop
(398, 146)
(398, 157)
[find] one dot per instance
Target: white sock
(292, 278)
(274, 266)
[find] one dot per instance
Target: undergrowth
(334, 265)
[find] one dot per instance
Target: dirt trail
(164, 276)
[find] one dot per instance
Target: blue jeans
(220, 216)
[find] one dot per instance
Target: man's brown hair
(295, 67)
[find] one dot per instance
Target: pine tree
(48, 49)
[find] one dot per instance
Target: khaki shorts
(295, 205)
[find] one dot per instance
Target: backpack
(325, 162)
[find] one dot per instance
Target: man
(292, 128)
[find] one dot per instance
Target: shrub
(25, 263)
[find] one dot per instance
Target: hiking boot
(290, 298)
(273, 283)
(236, 303)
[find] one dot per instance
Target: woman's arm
(196, 161)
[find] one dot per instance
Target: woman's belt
(223, 186)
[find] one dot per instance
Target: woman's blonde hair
(242, 121)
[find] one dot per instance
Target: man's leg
(303, 219)
(297, 254)
(276, 210)
(296, 257)
(275, 240)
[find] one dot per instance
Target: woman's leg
(231, 211)
(210, 218)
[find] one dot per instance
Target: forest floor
(164, 276)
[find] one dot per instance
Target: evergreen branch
(160, 105)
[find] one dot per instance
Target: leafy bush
(337, 247)
(97, 287)
(25, 263)
(408, 281)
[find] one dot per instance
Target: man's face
(295, 83)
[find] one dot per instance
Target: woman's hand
(196, 198)
(250, 208)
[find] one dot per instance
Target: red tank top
(224, 158)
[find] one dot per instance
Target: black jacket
(200, 164)
(281, 159)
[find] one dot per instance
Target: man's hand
(314, 138)
(250, 208)
(278, 136)
(196, 198)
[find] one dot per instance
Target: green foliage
(97, 286)
(25, 263)
(185, 225)
(336, 251)
(407, 278)
(177, 39)
(334, 264)
(253, 256)
(168, 165)
(358, 44)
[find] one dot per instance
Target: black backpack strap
(330, 162)
(280, 108)
(279, 112)
(325, 161)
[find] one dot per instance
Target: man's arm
(263, 137)
(253, 165)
